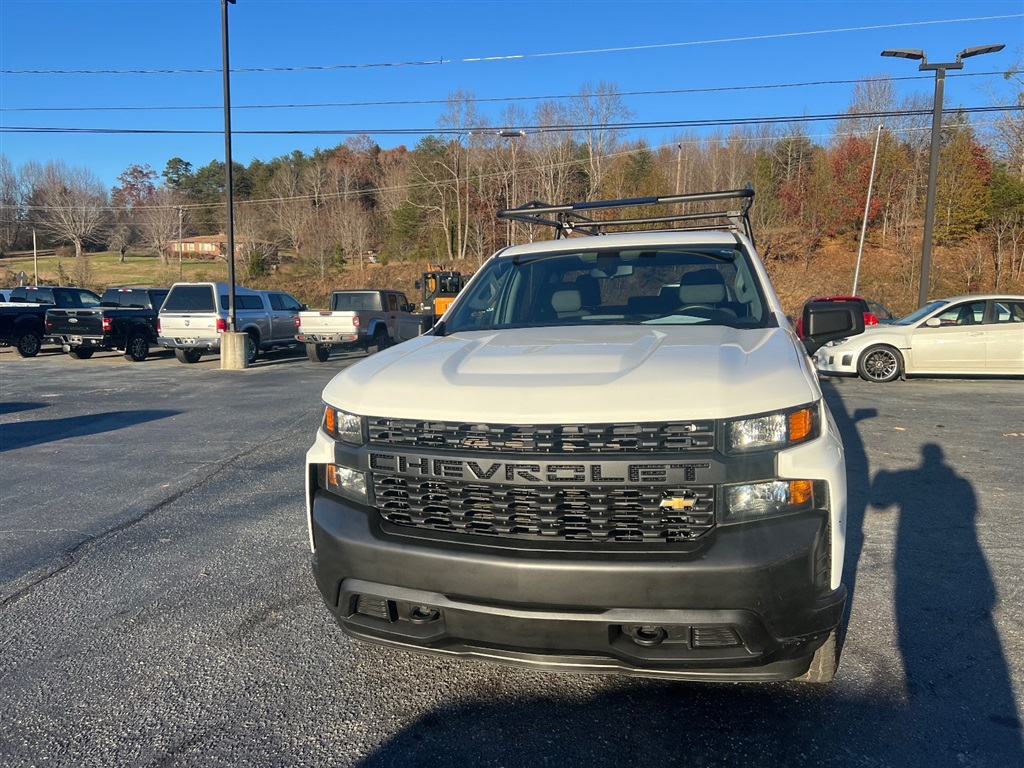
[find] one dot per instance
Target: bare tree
(255, 243)
(135, 188)
(596, 110)
(1007, 133)
(555, 174)
(354, 228)
(158, 221)
(12, 212)
(72, 204)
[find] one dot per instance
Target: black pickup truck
(125, 320)
(22, 319)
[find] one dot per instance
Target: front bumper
(743, 607)
(838, 360)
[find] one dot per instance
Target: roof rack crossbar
(568, 219)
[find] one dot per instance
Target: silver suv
(194, 316)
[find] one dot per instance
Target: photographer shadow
(944, 599)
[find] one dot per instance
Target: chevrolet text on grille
(536, 472)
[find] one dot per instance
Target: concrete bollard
(233, 355)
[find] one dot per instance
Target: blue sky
(542, 49)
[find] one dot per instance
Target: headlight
(754, 501)
(773, 430)
(345, 427)
(344, 481)
(837, 342)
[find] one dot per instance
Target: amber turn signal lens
(800, 492)
(330, 422)
(801, 423)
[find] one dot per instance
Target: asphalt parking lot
(157, 607)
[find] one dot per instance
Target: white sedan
(965, 335)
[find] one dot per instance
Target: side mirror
(933, 322)
(825, 321)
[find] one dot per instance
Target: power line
(534, 129)
(506, 57)
(418, 102)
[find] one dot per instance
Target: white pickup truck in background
(364, 319)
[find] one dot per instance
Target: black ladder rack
(570, 219)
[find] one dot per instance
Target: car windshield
(667, 285)
(917, 314)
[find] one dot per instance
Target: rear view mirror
(933, 322)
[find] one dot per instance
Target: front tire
(81, 353)
(825, 661)
(188, 355)
(880, 363)
(28, 344)
(136, 349)
(318, 353)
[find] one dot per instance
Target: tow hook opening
(646, 635)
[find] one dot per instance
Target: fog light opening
(647, 635)
(423, 614)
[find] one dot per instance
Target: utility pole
(867, 208)
(35, 258)
(679, 167)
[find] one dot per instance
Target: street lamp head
(905, 53)
(510, 134)
(977, 50)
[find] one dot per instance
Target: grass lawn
(103, 270)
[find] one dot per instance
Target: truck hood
(580, 375)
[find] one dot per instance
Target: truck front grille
(549, 513)
(669, 436)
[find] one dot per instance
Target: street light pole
(933, 161)
(232, 324)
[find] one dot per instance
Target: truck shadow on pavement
(19, 407)
(23, 434)
(955, 707)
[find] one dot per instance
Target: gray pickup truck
(365, 319)
(194, 316)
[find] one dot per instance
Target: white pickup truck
(625, 464)
(365, 319)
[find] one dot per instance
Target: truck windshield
(664, 286)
